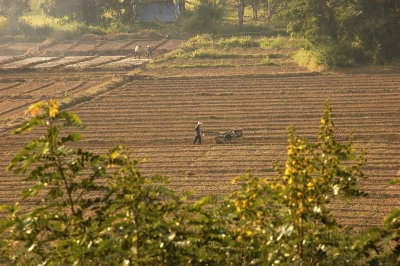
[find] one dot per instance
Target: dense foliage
(93, 12)
(345, 32)
(205, 16)
(340, 32)
(99, 209)
(87, 11)
(12, 10)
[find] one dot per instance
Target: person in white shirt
(137, 51)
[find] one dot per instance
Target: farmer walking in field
(137, 51)
(149, 51)
(198, 135)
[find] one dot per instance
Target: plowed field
(156, 116)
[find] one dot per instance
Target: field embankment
(157, 115)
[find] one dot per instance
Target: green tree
(12, 10)
(346, 31)
(90, 209)
(87, 11)
(375, 25)
(315, 173)
(206, 16)
(241, 5)
(312, 19)
(255, 5)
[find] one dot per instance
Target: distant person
(149, 52)
(137, 51)
(198, 135)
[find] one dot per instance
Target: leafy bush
(206, 17)
(347, 31)
(77, 217)
(99, 209)
(308, 59)
(35, 33)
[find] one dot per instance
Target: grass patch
(245, 41)
(280, 42)
(197, 66)
(266, 62)
(206, 40)
(210, 53)
(206, 46)
(213, 54)
(308, 59)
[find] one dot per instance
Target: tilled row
(157, 117)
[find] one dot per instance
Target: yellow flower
(52, 103)
(249, 233)
(300, 211)
(287, 172)
(237, 202)
(53, 108)
(34, 111)
(114, 155)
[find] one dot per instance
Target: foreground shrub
(78, 218)
(99, 209)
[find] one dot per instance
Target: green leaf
(38, 120)
(394, 181)
(393, 215)
(72, 119)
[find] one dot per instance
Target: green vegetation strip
(207, 47)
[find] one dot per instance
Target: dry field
(156, 114)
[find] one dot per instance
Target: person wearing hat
(148, 51)
(198, 135)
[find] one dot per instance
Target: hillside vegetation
(338, 33)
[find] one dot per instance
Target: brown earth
(156, 112)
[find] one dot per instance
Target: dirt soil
(156, 112)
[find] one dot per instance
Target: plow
(225, 137)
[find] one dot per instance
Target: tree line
(339, 32)
(98, 209)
